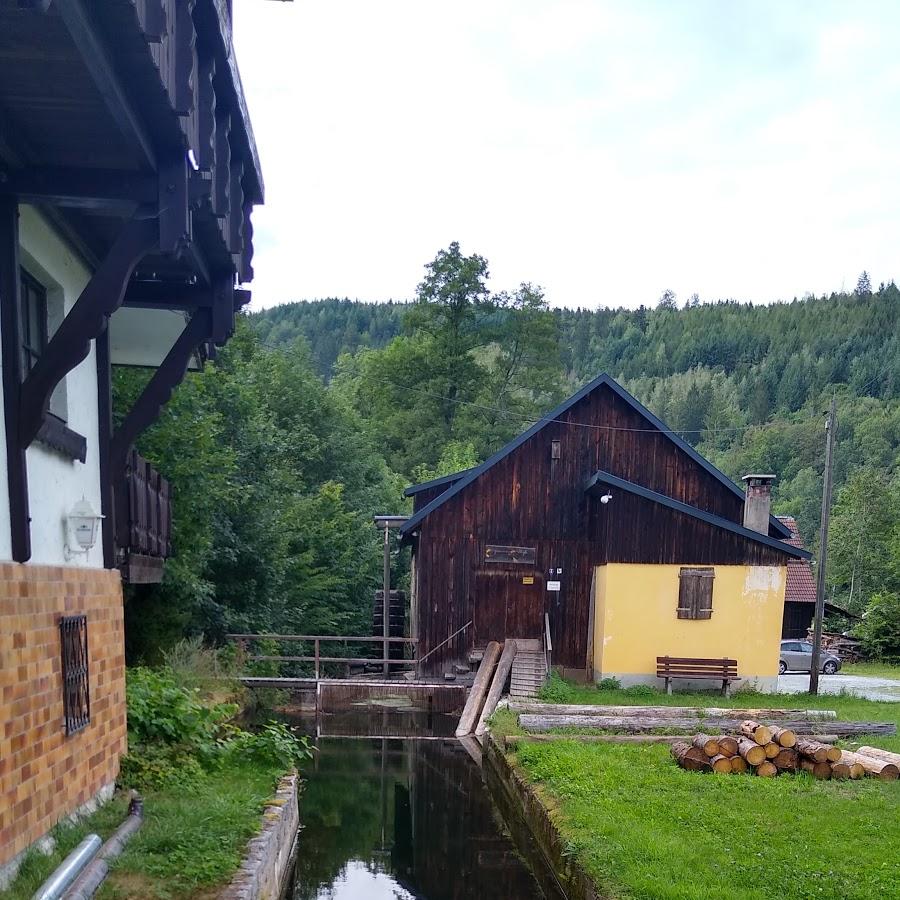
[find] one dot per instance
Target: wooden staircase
(529, 669)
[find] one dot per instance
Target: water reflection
(401, 818)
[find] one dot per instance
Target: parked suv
(796, 656)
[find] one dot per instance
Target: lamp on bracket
(82, 528)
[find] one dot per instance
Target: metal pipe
(69, 869)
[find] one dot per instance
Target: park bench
(672, 667)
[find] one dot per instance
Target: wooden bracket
(158, 391)
(174, 206)
(85, 321)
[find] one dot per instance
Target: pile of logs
(769, 750)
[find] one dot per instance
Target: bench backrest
(688, 667)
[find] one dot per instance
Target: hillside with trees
(321, 411)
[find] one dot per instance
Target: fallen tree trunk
(878, 753)
(709, 745)
(784, 737)
(878, 768)
(690, 758)
(820, 770)
(751, 751)
(533, 707)
(752, 729)
(691, 724)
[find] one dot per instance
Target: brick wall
(45, 775)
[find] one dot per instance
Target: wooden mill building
(602, 523)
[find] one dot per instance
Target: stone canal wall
(531, 824)
(269, 857)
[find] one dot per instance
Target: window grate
(76, 694)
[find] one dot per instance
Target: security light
(606, 498)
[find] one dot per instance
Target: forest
(318, 414)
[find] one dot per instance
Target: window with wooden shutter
(695, 593)
(76, 697)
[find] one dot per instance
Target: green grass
(644, 828)
(875, 669)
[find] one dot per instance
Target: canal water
(390, 817)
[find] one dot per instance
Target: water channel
(402, 815)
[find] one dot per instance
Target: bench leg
(726, 688)
(669, 686)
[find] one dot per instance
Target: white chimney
(757, 502)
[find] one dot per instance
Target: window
(34, 321)
(805, 647)
(695, 593)
(76, 696)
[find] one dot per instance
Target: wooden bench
(672, 667)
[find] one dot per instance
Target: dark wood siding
(530, 499)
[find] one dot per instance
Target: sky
(606, 151)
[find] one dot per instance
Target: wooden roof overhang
(600, 481)
(461, 480)
(124, 122)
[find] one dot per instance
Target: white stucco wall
(55, 482)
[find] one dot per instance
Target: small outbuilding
(602, 534)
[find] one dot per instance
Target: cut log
(501, 675)
(537, 708)
(857, 771)
(690, 758)
(739, 764)
(766, 769)
(816, 751)
(820, 770)
(479, 688)
(784, 737)
(750, 728)
(772, 750)
(878, 753)
(878, 768)
(751, 751)
(787, 760)
(728, 746)
(709, 745)
(840, 770)
(721, 764)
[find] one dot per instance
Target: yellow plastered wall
(635, 619)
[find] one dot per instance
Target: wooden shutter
(695, 593)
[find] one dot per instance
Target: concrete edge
(269, 857)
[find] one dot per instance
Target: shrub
(274, 744)
(609, 684)
(150, 767)
(641, 690)
(879, 630)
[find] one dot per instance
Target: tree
(863, 284)
(667, 300)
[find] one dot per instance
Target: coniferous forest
(318, 413)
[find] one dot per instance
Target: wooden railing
(317, 640)
(143, 521)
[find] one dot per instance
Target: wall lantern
(606, 498)
(82, 526)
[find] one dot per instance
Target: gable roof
(606, 478)
(603, 380)
(434, 482)
(800, 586)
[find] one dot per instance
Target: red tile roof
(801, 586)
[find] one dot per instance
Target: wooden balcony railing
(143, 521)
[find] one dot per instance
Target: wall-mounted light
(606, 498)
(82, 527)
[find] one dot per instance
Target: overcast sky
(604, 150)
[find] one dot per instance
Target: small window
(34, 321)
(76, 695)
(695, 593)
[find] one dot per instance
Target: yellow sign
(528, 580)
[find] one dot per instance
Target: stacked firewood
(769, 750)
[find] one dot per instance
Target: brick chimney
(757, 502)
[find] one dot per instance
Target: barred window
(76, 695)
(695, 593)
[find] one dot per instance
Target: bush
(151, 767)
(641, 690)
(274, 744)
(609, 684)
(879, 630)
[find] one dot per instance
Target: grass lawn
(191, 842)
(644, 828)
(876, 669)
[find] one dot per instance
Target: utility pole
(815, 665)
(387, 523)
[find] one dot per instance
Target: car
(796, 656)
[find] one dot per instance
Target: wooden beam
(96, 58)
(158, 390)
(85, 321)
(104, 436)
(86, 188)
(174, 206)
(11, 348)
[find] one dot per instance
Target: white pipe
(69, 869)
